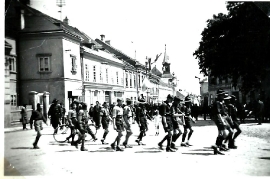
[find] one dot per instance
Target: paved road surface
(251, 158)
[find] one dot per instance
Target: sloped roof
(120, 54)
(41, 22)
(161, 83)
(166, 76)
(155, 71)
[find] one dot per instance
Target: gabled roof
(41, 22)
(120, 54)
(155, 71)
(161, 83)
(166, 76)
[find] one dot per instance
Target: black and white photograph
(135, 89)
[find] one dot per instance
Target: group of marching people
(224, 114)
(171, 114)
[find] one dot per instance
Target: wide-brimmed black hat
(187, 99)
(169, 96)
(119, 99)
(54, 100)
(220, 92)
(127, 99)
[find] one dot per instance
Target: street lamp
(147, 61)
(137, 86)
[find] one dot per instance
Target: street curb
(20, 128)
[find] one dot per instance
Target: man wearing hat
(142, 120)
(82, 119)
(118, 124)
(217, 112)
(232, 110)
(72, 118)
(228, 121)
(55, 114)
(188, 118)
(105, 121)
(167, 112)
(127, 121)
(176, 128)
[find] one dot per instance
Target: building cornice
(101, 59)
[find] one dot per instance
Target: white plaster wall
(71, 48)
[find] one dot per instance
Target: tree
(237, 45)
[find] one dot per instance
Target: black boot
(216, 151)
(231, 144)
(36, 142)
(82, 146)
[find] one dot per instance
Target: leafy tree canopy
(236, 45)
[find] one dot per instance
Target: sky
(145, 27)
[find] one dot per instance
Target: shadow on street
(67, 151)
(22, 148)
(206, 154)
(266, 158)
(149, 151)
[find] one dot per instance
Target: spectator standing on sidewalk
(91, 111)
(24, 118)
(63, 112)
(260, 110)
(38, 118)
(96, 114)
(195, 111)
(267, 109)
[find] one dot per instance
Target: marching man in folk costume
(82, 119)
(72, 118)
(168, 113)
(127, 114)
(142, 120)
(229, 123)
(118, 124)
(187, 125)
(176, 128)
(105, 121)
(217, 112)
(232, 111)
(38, 118)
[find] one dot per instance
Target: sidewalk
(20, 128)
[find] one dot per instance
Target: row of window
(215, 81)
(94, 79)
(134, 84)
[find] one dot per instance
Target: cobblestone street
(251, 158)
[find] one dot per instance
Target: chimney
(66, 20)
(108, 42)
(22, 19)
(102, 37)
